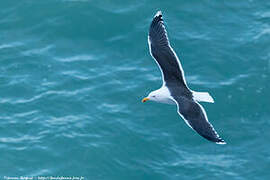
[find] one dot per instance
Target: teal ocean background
(73, 73)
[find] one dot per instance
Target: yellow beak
(145, 99)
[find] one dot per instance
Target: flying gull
(174, 89)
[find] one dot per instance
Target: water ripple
(83, 57)
(199, 81)
(64, 93)
(11, 45)
(38, 51)
(21, 139)
(264, 31)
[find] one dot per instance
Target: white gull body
(174, 89)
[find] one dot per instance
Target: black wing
(164, 55)
(195, 117)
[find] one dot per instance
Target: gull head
(161, 95)
(153, 96)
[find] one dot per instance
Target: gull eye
(154, 96)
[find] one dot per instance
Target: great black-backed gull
(174, 89)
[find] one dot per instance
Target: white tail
(202, 96)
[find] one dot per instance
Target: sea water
(73, 73)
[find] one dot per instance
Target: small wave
(64, 93)
(10, 45)
(75, 58)
(65, 120)
(117, 38)
(199, 81)
(76, 74)
(112, 108)
(20, 139)
(265, 31)
(263, 14)
(38, 51)
(120, 8)
(76, 0)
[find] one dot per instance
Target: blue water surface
(73, 73)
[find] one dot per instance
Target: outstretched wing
(164, 55)
(195, 117)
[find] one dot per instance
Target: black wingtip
(216, 140)
(158, 14)
(221, 141)
(157, 18)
